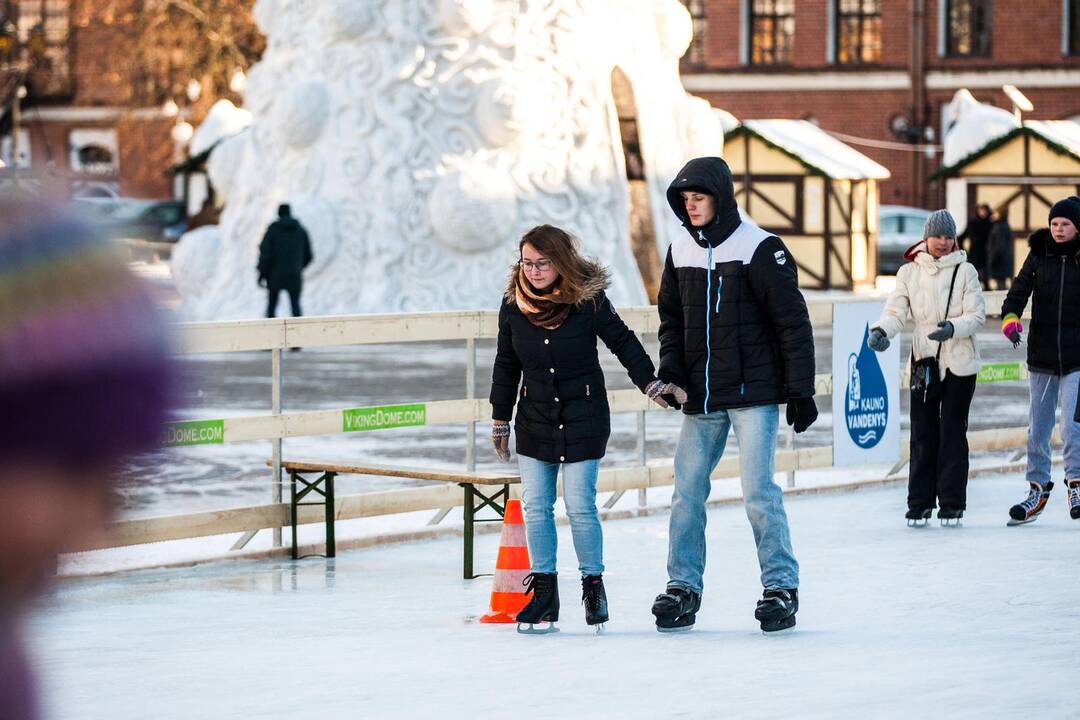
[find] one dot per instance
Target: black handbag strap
(948, 302)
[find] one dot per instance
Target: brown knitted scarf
(547, 310)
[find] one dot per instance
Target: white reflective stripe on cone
(509, 581)
(512, 536)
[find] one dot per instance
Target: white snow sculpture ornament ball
(472, 209)
(301, 114)
(466, 17)
(350, 19)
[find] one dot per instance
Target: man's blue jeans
(1046, 389)
(579, 494)
(701, 445)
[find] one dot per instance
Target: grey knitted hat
(939, 224)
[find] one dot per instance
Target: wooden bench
(472, 482)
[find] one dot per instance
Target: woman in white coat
(941, 292)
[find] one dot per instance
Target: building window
(858, 31)
(1071, 28)
(695, 55)
(93, 151)
(772, 31)
(44, 30)
(968, 28)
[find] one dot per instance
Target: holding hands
(666, 395)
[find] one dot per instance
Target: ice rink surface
(977, 622)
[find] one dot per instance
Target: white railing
(276, 335)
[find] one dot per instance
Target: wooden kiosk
(818, 194)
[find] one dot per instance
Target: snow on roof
(817, 149)
(224, 120)
(972, 125)
(1063, 136)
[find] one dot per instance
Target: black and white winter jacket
(734, 328)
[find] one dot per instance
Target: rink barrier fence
(277, 335)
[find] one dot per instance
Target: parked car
(135, 219)
(899, 227)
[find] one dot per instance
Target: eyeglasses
(541, 265)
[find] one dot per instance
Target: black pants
(274, 289)
(939, 446)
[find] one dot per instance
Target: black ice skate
(776, 610)
(918, 517)
(594, 599)
(1074, 499)
(543, 607)
(1032, 506)
(676, 610)
(950, 517)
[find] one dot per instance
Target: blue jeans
(1045, 391)
(579, 494)
(701, 445)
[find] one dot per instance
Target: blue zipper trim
(719, 288)
(708, 318)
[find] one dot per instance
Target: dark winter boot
(594, 599)
(676, 610)
(950, 517)
(1030, 508)
(543, 606)
(918, 517)
(1074, 499)
(776, 609)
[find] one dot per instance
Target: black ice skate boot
(542, 607)
(950, 516)
(676, 610)
(1074, 499)
(594, 599)
(918, 517)
(776, 610)
(1032, 506)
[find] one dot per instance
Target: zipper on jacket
(719, 287)
(587, 391)
(708, 317)
(524, 391)
(1061, 301)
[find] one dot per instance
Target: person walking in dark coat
(546, 363)
(1050, 277)
(1000, 253)
(977, 234)
(735, 332)
(283, 254)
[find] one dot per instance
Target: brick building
(884, 71)
(79, 123)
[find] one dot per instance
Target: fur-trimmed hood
(597, 280)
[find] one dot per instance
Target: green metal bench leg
(469, 514)
(293, 514)
(331, 545)
(471, 493)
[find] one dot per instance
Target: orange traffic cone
(507, 593)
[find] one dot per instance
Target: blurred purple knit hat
(85, 375)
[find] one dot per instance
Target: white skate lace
(1074, 494)
(1033, 498)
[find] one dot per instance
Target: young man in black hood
(735, 333)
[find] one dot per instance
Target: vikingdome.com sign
(866, 389)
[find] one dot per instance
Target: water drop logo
(866, 407)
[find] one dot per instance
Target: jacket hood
(1042, 241)
(713, 176)
(597, 280)
(928, 262)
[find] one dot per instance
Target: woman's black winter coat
(1051, 278)
(562, 414)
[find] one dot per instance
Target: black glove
(944, 333)
(878, 341)
(801, 413)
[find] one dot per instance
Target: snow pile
(223, 121)
(970, 125)
(417, 140)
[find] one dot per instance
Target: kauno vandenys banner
(866, 389)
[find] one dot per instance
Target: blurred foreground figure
(84, 381)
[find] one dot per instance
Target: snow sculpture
(417, 140)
